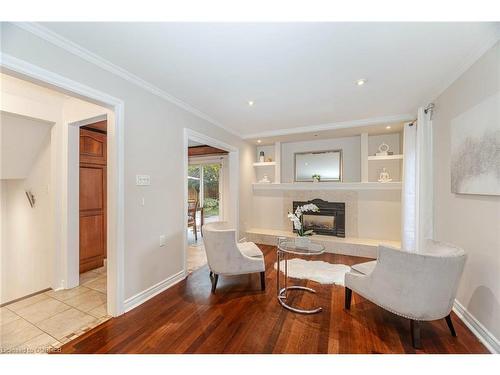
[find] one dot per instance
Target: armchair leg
(263, 280)
(215, 278)
(450, 325)
(415, 333)
(348, 297)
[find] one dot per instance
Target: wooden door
(92, 199)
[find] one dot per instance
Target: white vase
(302, 241)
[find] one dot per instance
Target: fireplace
(329, 220)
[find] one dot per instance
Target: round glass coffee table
(288, 247)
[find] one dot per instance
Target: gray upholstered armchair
(419, 286)
(227, 257)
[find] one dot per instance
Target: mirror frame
(341, 166)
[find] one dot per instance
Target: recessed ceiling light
(361, 82)
(388, 127)
(259, 141)
(250, 103)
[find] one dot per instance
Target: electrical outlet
(163, 240)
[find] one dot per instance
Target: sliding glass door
(204, 185)
(210, 183)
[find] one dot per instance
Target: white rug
(316, 270)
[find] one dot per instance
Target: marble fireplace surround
(381, 217)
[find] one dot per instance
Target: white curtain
(417, 194)
(409, 192)
(425, 187)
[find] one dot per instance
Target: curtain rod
(429, 109)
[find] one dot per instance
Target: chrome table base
(282, 291)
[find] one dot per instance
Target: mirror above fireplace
(319, 165)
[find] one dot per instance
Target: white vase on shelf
(262, 157)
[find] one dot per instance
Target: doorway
(37, 189)
(211, 189)
(66, 207)
(92, 199)
(205, 197)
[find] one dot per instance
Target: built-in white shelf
(329, 186)
(386, 157)
(264, 164)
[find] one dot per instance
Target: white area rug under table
(315, 270)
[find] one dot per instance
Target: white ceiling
(298, 74)
(18, 157)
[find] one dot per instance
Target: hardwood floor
(240, 318)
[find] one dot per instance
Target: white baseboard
(485, 336)
(152, 291)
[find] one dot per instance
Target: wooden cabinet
(92, 199)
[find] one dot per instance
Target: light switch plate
(163, 240)
(142, 180)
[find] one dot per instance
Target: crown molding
(332, 126)
(77, 50)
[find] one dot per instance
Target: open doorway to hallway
(53, 269)
(93, 204)
(206, 195)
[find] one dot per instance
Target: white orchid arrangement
(296, 218)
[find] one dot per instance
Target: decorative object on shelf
(265, 180)
(384, 176)
(269, 160)
(31, 198)
(296, 218)
(316, 178)
(262, 157)
(383, 150)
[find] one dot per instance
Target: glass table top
(309, 248)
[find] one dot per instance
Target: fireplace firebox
(329, 220)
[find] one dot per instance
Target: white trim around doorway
(116, 198)
(231, 210)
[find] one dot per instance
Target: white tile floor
(196, 256)
(42, 323)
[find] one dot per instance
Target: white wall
(17, 158)
(469, 221)
(154, 146)
(26, 256)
